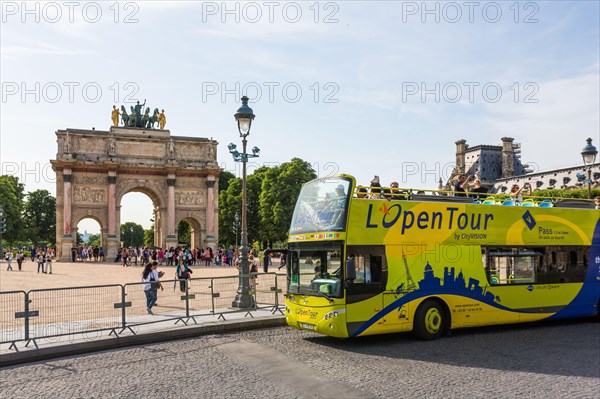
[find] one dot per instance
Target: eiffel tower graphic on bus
(410, 284)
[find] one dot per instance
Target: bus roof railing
(410, 194)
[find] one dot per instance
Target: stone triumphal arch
(95, 169)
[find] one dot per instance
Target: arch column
(171, 239)
(112, 240)
(210, 212)
(68, 240)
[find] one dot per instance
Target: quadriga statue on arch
(138, 119)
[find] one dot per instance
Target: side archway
(196, 231)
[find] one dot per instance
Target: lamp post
(236, 225)
(244, 117)
(131, 236)
(589, 157)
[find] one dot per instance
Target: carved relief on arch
(193, 198)
(89, 195)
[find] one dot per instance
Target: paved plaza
(66, 274)
(546, 360)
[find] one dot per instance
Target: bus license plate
(307, 326)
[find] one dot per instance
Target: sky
(359, 87)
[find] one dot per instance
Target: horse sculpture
(153, 119)
(124, 116)
(145, 118)
(137, 119)
(133, 117)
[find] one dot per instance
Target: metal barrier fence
(47, 313)
(12, 316)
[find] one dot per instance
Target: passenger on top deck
(362, 192)
(461, 185)
(478, 190)
(517, 193)
(396, 194)
(375, 188)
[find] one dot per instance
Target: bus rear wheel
(430, 320)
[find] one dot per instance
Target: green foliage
(94, 240)
(12, 194)
(230, 202)
(184, 233)
(149, 236)
(132, 234)
(572, 193)
(254, 188)
(224, 178)
(278, 197)
(40, 217)
(270, 201)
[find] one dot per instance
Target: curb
(34, 355)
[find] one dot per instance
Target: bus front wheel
(430, 320)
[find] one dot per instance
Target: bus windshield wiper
(324, 295)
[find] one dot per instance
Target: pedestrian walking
(183, 273)
(9, 258)
(20, 258)
(253, 263)
(40, 260)
(152, 284)
(49, 256)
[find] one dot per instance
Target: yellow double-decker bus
(430, 263)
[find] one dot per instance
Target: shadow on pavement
(566, 348)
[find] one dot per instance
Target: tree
(149, 236)
(254, 186)
(279, 193)
(184, 233)
(12, 194)
(224, 179)
(230, 202)
(94, 240)
(40, 217)
(270, 200)
(132, 234)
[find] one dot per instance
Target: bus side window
(375, 269)
(367, 269)
(360, 268)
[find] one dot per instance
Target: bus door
(366, 278)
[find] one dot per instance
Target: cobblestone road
(551, 360)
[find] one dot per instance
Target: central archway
(152, 191)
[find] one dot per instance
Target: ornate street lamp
(589, 157)
(236, 226)
(244, 117)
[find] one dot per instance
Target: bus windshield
(315, 269)
(321, 206)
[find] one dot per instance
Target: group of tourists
(88, 254)
(42, 256)
(130, 256)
